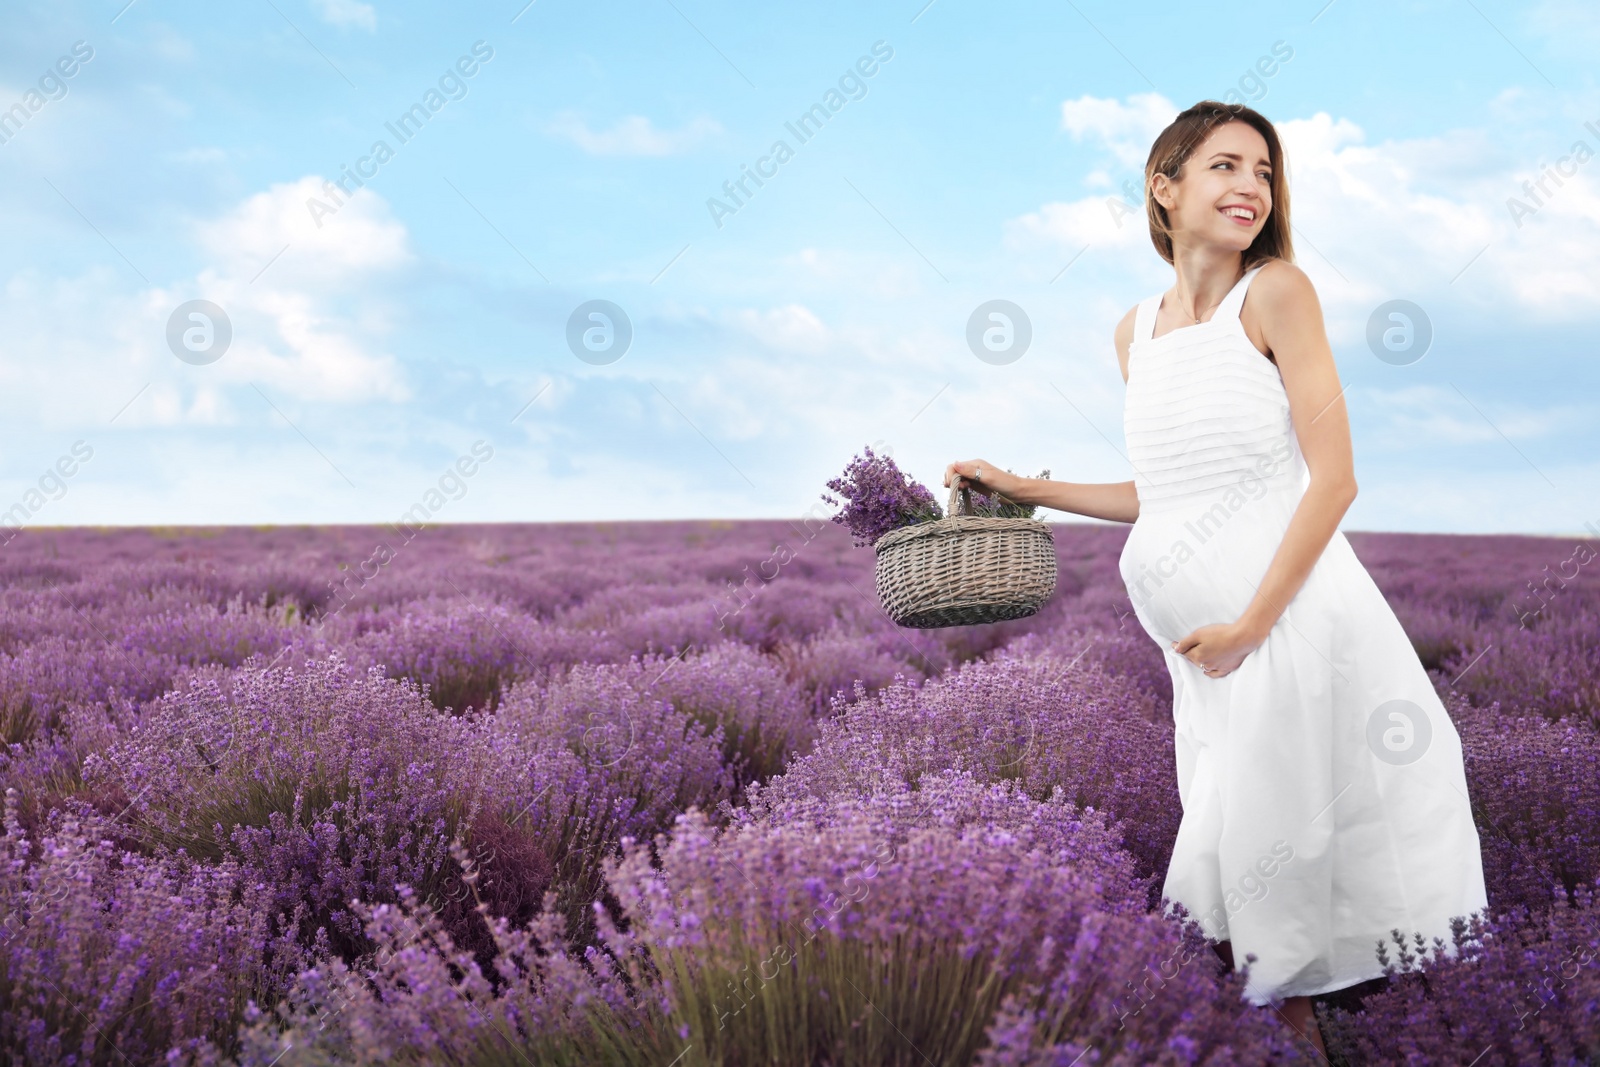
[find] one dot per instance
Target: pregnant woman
(1324, 799)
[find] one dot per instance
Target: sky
(542, 268)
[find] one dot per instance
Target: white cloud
(793, 327)
(1100, 220)
(1127, 130)
(347, 13)
(1437, 415)
(304, 319)
(1507, 498)
(1405, 218)
(309, 327)
(1569, 27)
(634, 135)
(359, 237)
(1402, 218)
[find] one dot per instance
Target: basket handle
(958, 487)
(960, 484)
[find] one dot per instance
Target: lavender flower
(879, 497)
(494, 798)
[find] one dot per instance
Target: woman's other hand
(1218, 649)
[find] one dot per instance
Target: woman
(1324, 799)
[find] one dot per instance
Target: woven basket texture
(965, 568)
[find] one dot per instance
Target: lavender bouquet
(878, 497)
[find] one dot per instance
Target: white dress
(1324, 798)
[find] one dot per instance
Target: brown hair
(1177, 143)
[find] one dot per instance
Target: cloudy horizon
(387, 308)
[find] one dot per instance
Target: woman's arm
(1116, 501)
(1291, 323)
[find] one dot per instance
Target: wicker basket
(964, 568)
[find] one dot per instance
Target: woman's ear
(1161, 189)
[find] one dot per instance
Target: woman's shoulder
(1123, 334)
(1130, 317)
(1280, 288)
(1279, 277)
(1122, 338)
(1125, 326)
(1280, 304)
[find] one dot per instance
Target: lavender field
(679, 793)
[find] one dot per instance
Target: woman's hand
(984, 476)
(1218, 649)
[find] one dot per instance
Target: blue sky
(376, 338)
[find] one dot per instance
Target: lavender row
(633, 793)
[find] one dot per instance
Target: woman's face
(1225, 193)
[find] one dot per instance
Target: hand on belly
(1218, 648)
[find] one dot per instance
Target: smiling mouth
(1243, 216)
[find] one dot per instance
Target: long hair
(1174, 146)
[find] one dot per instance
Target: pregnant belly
(1184, 570)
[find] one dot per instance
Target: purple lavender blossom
(240, 817)
(879, 497)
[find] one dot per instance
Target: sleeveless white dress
(1324, 798)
